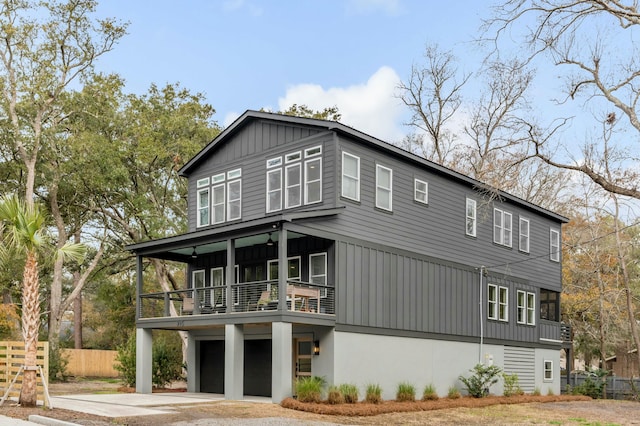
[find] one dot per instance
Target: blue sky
(251, 54)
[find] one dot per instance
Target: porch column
(281, 365)
(283, 269)
(144, 360)
(231, 273)
(139, 284)
(233, 361)
(193, 368)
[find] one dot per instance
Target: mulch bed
(366, 409)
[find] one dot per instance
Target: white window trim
(521, 234)
(217, 178)
(224, 199)
(309, 151)
(554, 249)
(493, 302)
(504, 227)
(198, 295)
(469, 202)
(200, 207)
(217, 288)
(238, 200)
(388, 190)
(272, 261)
(293, 156)
(274, 162)
(545, 369)
(307, 182)
(531, 309)
(425, 192)
(354, 178)
(234, 174)
(287, 205)
(526, 310)
(271, 208)
(505, 304)
(323, 292)
(202, 182)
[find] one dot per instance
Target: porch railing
(255, 296)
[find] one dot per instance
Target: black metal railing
(245, 297)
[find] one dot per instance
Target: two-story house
(316, 249)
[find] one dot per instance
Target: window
(274, 190)
(218, 284)
(203, 182)
(313, 181)
(293, 269)
(318, 270)
(218, 204)
(274, 162)
(554, 245)
(350, 176)
(293, 186)
(548, 370)
(285, 186)
(225, 198)
(420, 191)
(498, 305)
(526, 307)
(203, 207)
(234, 199)
(384, 182)
(524, 235)
(502, 227)
(471, 217)
(549, 305)
(198, 282)
(312, 152)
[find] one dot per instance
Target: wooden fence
(90, 362)
(12, 358)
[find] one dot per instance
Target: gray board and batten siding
(426, 243)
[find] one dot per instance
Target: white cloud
(365, 7)
(370, 107)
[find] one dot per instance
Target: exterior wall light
(316, 347)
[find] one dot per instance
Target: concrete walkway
(10, 421)
(131, 404)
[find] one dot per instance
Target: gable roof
(326, 125)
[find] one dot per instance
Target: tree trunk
(30, 326)
(77, 322)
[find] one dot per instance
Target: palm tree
(22, 227)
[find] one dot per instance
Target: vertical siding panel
(386, 282)
(350, 283)
(364, 297)
(380, 289)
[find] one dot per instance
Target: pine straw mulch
(368, 409)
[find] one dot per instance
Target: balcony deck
(253, 299)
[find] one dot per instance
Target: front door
(303, 351)
(212, 366)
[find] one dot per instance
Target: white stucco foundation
(363, 359)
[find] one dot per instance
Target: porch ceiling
(240, 242)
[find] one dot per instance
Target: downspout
(481, 318)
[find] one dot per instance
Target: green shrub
(406, 392)
(536, 392)
(550, 392)
(593, 384)
(334, 396)
(373, 394)
(167, 362)
(480, 381)
(511, 385)
(57, 365)
(429, 393)
(126, 361)
(453, 393)
(349, 392)
(309, 389)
